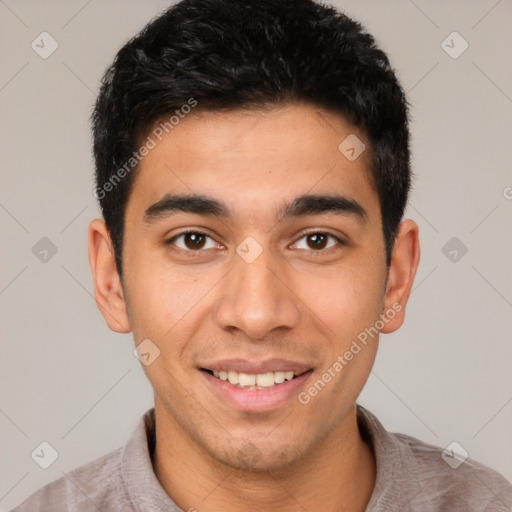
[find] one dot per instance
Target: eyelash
(312, 252)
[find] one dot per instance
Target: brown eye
(192, 241)
(318, 241)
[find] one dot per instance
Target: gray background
(66, 379)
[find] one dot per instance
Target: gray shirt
(411, 476)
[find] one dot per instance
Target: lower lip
(256, 399)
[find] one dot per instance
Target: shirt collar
(391, 459)
(142, 485)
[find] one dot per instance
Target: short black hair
(224, 55)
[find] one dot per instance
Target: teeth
(233, 377)
(252, 381)
(245, 379)
(265, 380)
(279, 377)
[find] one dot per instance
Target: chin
(251, 457)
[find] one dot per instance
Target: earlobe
(108, 290)
(402, 269)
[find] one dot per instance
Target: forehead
(255, 158)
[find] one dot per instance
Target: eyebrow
(300, 207)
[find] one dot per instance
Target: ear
(402, 269)
(108, 290)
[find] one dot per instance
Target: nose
(257, 297)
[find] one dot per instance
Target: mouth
(260, 392)
(254, 381)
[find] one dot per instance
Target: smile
(253, 381)
(255, 392)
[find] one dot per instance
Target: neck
(339, 474)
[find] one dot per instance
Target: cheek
(350, 306)
(348, 300)
(166, 304)
(161, 309)
(159, 294)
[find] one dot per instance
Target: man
(252, 166)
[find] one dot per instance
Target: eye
(192, 241)
(318, 241)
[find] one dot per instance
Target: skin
(295, 301)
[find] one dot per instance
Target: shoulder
(416, 476)
(92, 486)
(451, 479)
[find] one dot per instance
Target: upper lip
(257, 367)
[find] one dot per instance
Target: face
(254, 246)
